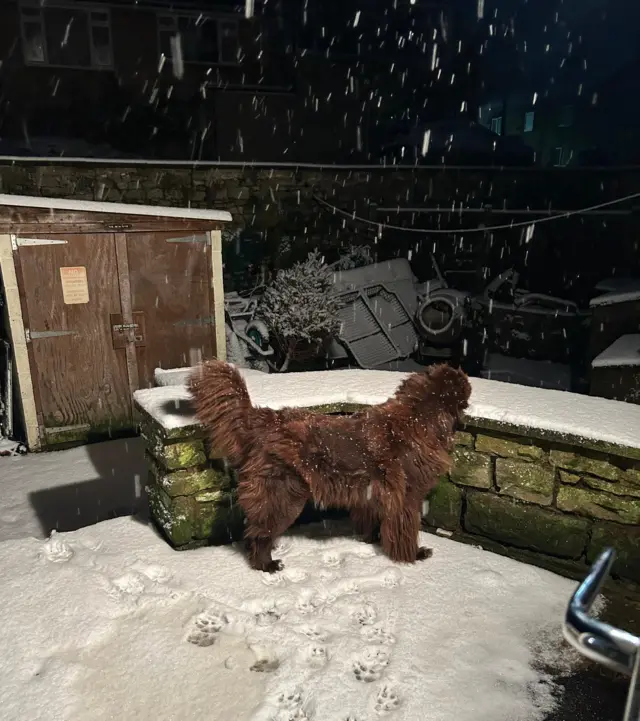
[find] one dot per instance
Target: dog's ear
(451, 385)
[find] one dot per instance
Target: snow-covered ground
(109, 622)
(64, 490)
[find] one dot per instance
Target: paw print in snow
(378, 633)
(289, 700)
(365, 615)
(315, 633)
(369, 666)
(57, 550)
(332, 559)
(386, 701)
(316, 656)
(391, 578)
(206, 626)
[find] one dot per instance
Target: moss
(527, 481)
(219, 522)
(463, 438)
(53, 437)
(189, 481)
(183, 454)
(583, 464)
(625, 540)
(175, 521)
(506, 448)
(473, 425)
(445, 506)
(471, 469)
(596, 504)
(152, 429)
(525, 526)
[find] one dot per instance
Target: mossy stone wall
(562, 501)
(558, 501)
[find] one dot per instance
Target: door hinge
(39, 334)
(23, 242)
(200, 238)
(195, 321)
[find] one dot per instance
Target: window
(496, 125)
(66, 36)
(558, 156)
(203, 39)
(565, 119)
(528, 121)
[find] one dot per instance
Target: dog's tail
(222, 404)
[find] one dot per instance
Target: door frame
(21, 352)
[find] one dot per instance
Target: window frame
(496, 118)
(38, 15)
(219, 20)
(561, 158)
(530, 114)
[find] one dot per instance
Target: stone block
(525, 526)
(219, 522)
(618, 488)
(595, 504)
(471, 469)
(444, 506)
(183, 454)
(584, 464)
(625, 540)
(175, 519)
(532, 482)
(507, 448)
(190, 481)
(462, 438)
(570, 478)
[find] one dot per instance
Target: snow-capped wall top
(92, 206)
(541, 409)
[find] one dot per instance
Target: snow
(623, 352)
(572, 414)
(611, 285)
(66, 489)
(541, 374)
(622, 296)
(91, 206)
(109, 622)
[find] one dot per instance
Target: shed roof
(92, 206)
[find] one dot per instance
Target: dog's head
(440, 386)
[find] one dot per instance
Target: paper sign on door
(75, 288)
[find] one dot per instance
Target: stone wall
(277, 205)
(551, 503)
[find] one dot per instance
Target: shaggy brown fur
(379, 463)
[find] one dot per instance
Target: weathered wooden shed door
(102, 310)
(170, 276)
(70, 288)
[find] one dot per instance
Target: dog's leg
(366, 523)
(270, 507)
(399, 535)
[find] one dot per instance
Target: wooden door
(170, 281)
(80, 381)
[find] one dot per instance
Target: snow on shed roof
(92, 206)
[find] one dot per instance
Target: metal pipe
(595, 639)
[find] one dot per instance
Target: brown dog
(379, 463)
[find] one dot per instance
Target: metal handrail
(610, 646)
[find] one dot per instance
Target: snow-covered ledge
(552, 473)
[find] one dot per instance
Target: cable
(507, 226)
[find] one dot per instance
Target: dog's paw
(271, 566)
(424, 553)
